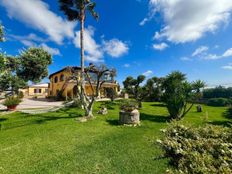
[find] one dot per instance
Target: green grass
(56, 143)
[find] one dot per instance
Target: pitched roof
(65, 68)
(42, 85)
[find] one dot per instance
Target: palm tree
(75, 10)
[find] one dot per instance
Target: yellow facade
(39, 90)
(59, 82)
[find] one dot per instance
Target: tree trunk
(89, 110)
(82, 54)
(140, 104)
(87, 106)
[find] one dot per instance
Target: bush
(12, 101)
(20, 95)
(111, 93)
(128, 105)
(219, 102)
(203, 150)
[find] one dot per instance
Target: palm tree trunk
(87, 106)
(82, 54)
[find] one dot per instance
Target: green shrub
(128, 105)
(218, 102)
(12, 101)
(203, 150)
(20, 95)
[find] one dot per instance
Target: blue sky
(151, 37)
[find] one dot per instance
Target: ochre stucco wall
(54, 88)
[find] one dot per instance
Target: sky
(150, 37)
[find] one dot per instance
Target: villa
(60, 83)
(35, 90)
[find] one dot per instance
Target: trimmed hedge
(203, 150)
(219, 102)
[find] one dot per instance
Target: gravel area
(35, 104)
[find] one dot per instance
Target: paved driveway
(36, 103)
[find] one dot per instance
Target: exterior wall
(57, 84)
(41, 91)
(30, 92)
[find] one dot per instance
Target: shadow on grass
(3, 119)
(113, 122)
(221, 123)
(143, 117)
(158, 105)
(154, 118)
(28, 119)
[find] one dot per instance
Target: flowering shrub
(203, 150)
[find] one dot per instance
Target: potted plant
(11, 103)
(129, 113)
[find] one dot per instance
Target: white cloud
(28, 43)
(185, 59)
(160, 47)
(126, 65)
(228, 53)
(144, 21)
(52, 51)
(227, 67)
(32, 40)
(186, 21)
(115, 48)
(199, 51)
(36, 14)
(93, 51)
(29, 40)
(31, 37)
(148, 73)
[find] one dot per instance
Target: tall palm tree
(75, 10)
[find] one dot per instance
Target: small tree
(180, 95)
(153, 88)
(30, 65)
(132, 87)
(33, 64)
(95, 77)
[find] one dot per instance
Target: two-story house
(60, 82)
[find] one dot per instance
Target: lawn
(56, 143)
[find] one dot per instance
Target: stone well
(132, 117)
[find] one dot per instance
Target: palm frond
(67, 6)
(90, 8)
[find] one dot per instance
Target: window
(36, 91)
(61, 77)
(56, 79)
